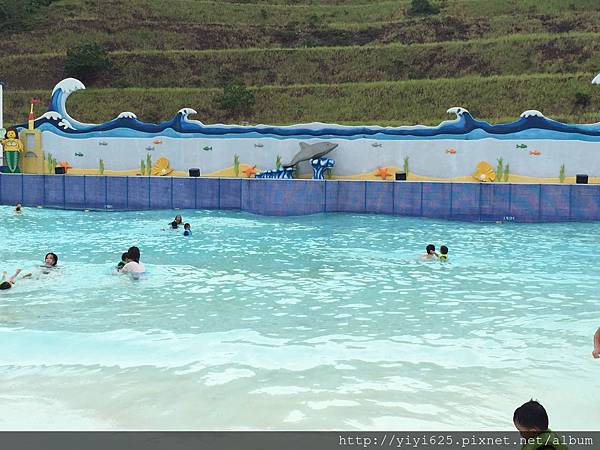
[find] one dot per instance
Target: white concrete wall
(426, 158)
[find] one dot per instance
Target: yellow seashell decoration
(484, 172)
(161, 167)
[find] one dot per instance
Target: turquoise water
(314, 322)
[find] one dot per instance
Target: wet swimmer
(133, 264)
(7, 283)
(50, 261)
(177, 222)
(123, 261)
(18, 208)
(429, 252)
(443, 255)
(187, 230)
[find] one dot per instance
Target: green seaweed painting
(561, 173)
(406, 166)
(278, 162)
(499, 169)
(506, 173)
(148, 164)
(101, 167)
(236, 165)
(142, 167)
(51, 163)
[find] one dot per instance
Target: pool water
(313, 322)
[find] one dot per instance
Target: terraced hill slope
(344, 61)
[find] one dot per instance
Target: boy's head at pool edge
(530, 419)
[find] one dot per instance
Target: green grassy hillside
(347, 61)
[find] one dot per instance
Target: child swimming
(187, 230)
(531, 419)
(443, 255)
(123, 261)
(8, 283)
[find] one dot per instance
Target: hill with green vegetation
(344, 61)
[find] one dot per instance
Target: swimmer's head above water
(443, 252)
(50, 259)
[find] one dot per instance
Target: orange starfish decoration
(65, 164)
(249, 171)
(383, 173)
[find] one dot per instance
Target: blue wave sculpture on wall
(531, 125)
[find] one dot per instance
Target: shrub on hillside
(87, 61)
(40, 3)
(422, 7)
(18, 14)
(582, 100)
(236, 100)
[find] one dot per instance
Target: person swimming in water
(187, 230)
(178, 221)
(123, 261)
(430, 252)
(50, 260)
(443, 255)
(18, 208)
(7, 283)
(133, 264)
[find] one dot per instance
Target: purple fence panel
(525, 202)
(161, 193)
(230, 193)
(184, 193)
(585, 202)
(138, 192)
(11, 188)
(351, 196)
(247, 197)
(54, 188)
(256, 192)
(555, 203)
(75, 192)
(495, 201)
(437, 200)
(379, 197)
(117, 192)
(207, 193)
(331, 195)
(284, 197)
(33, 190)
(466, 201)
(95, 192)
(307, 197)
(407, 198)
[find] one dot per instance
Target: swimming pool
(312, 322)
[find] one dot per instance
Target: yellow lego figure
(13, 147)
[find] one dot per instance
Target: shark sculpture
(311, 151)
